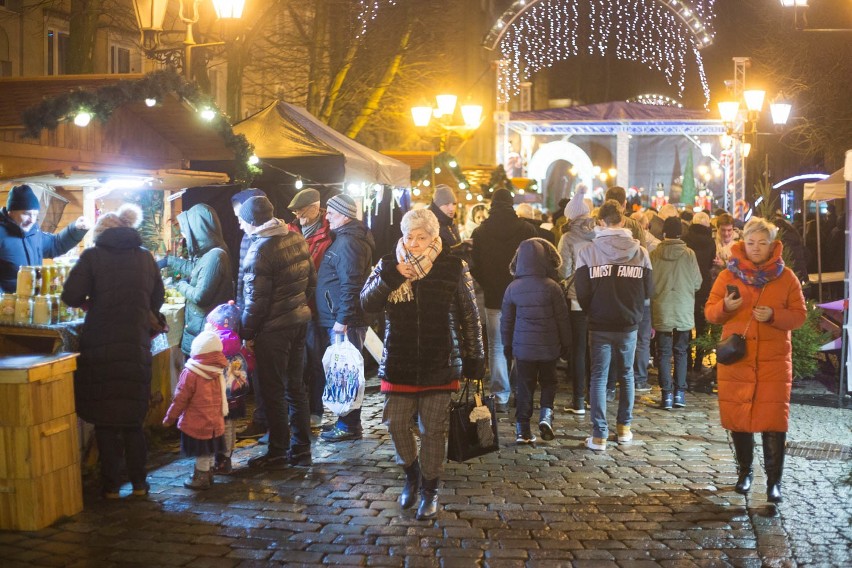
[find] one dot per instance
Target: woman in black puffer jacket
(432, 338)
(120, 284)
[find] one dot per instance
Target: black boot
(412, 485)
(744, 452)
(545, 423)
(773, 459)
(428, 508)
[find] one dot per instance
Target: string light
(368, 11)
(660, 34)
(83, 118)
(655, 99)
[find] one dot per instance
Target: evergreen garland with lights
(102, 102)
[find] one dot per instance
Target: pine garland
(102, 102)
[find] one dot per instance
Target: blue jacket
(342, 273)
(534, 319)
(18, 249)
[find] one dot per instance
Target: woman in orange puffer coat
(754, 392)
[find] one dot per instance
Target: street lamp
(150, 15)
(443, 112)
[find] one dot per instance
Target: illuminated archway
(549, 153)
(661, 34)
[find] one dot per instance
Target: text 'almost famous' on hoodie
(613, 280)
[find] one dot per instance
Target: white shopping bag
(344, 376)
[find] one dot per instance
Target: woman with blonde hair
(432, 339)
(758, 297)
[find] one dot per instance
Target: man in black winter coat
(257, 427)
(279, 277)
(699, 238)
(342, 273)
(495, 243)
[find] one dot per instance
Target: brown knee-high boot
(744, 452)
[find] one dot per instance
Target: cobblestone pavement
(665, 500)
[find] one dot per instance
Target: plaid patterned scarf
(422, 265)
(748, 272)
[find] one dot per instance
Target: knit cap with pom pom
(128, 215)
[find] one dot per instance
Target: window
(119, 59)
(57, 51)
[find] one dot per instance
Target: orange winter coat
(754, 392)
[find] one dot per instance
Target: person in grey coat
(207, 280)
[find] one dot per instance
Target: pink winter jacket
(198, 401)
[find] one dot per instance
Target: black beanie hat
(256, 211)
(672, 228)
(502, 197)
(22, 198)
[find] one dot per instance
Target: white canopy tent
(837, 186)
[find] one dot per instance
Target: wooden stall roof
(85, 176)
(173, 119)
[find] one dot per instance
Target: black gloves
(473, 368)
(390, 275)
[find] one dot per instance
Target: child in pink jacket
(200, 407)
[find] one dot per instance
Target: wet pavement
(667, 499)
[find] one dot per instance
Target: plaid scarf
(422, 265)
(751, 274)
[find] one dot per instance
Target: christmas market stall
(85, 145)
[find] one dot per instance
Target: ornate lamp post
(150, 15)
(443, 112)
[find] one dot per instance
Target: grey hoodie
(613, 280)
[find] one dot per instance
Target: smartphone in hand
(733, 290)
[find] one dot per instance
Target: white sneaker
(625, 435)
(597, 444)
(572, 410)
(316, 421)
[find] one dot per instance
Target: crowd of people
(600, 288)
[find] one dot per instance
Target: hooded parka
(754, 392)
(208, 268)
(676, 279)
(121, 284)
(534, 318)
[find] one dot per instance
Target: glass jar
(26, 281)
(41, 310)
(54, 309)
(23, 309)
(7, 308)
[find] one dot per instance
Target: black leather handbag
(465, 441)
(733, 348)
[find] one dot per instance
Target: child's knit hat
(225, 316)
(206, 342)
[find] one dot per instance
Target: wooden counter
(39, 456)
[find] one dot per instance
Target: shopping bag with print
(344, 376)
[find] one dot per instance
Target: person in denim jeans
(676, 279)
(612, 283)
